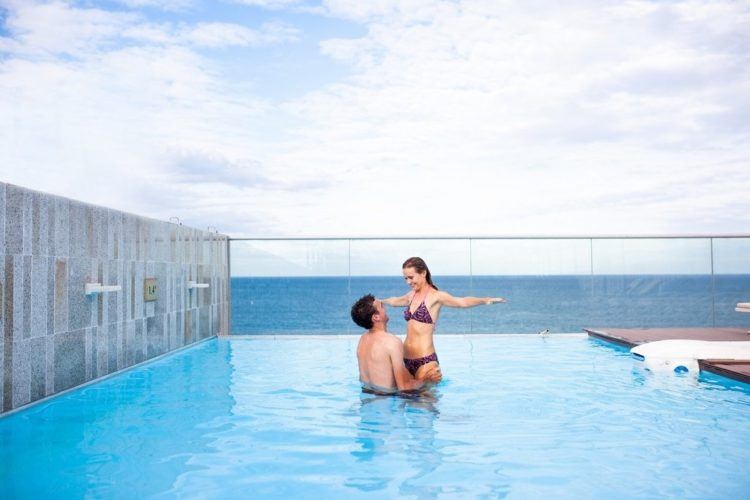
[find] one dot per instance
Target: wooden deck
(738, 370)
(631, 337)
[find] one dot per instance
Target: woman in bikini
(423, 305)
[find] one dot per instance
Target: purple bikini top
(421, 314)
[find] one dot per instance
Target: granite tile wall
(54, 336)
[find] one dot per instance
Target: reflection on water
(135, 431)
(391, 423)
(527, 417)
(396, 427)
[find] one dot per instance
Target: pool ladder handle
(92, 288)
(193, 284)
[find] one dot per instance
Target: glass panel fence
(547, 284)
(281, 287)
(731, 280)
(560, 284)
(641, 283)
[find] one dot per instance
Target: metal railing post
(349, 284)
(713, 285)
(228, 308)
(471, 284)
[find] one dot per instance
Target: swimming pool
(516, 416)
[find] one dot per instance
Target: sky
(385, 118)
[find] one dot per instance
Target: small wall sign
(149, 289)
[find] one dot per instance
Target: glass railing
(307, 286)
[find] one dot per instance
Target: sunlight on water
(516, 417)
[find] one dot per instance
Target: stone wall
(54, 335)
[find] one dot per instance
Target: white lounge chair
(681, 356)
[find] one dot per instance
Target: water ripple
(519, 417)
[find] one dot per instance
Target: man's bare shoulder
(393, 341)
(385, 340)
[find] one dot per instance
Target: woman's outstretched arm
(396, 301)
(449, 300)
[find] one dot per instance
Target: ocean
(320, 305)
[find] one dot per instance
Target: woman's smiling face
(414, 279)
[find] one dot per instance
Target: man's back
(375, 356)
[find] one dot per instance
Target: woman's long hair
(420, 266)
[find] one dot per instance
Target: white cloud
(212, 35)
(168, 5)
(78, 31)
(59, 28)
(119, 124)
(460, 118)
(401, 11)
(537, 120)
(270, 4)
(226, 34)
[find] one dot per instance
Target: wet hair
(420, 266)
(362, 311)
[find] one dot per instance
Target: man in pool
(381, 354)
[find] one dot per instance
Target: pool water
(516, 417)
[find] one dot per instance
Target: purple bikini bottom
(413, 364)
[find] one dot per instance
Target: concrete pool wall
(55, 336)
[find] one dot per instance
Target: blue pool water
(516, 417)
(559, 303)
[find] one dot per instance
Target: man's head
(368, 312)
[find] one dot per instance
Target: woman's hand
(433, 374)
(495, 300)
(446, 299)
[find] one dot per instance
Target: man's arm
(449, 300)
(404, 379)
(397, 301)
